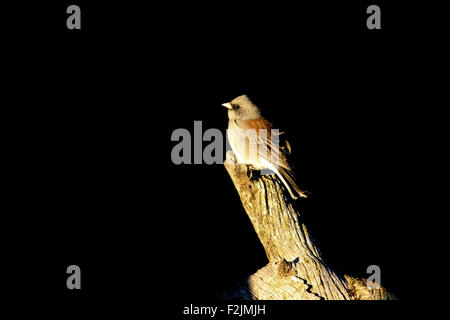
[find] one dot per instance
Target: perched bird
(255, 142)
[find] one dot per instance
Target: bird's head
(241, 108)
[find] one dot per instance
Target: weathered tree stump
(296, 270)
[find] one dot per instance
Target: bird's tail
(288, 181)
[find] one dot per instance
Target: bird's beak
(227, 105)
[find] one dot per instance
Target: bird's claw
(253, 174)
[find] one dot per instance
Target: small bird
(255, 143)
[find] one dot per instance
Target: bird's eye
(235, 106)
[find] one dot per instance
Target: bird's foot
(253, 174)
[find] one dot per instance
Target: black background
(95, 109)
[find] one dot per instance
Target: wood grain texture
(296, 269)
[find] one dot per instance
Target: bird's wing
(271, 146)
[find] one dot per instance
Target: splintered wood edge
(282, 283)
